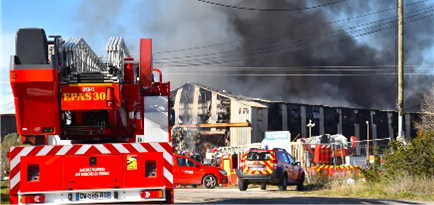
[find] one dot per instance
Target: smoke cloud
(189, 23)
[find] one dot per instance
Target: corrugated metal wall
(240, 113)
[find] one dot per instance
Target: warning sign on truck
(131, 162)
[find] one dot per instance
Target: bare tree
(426, 122)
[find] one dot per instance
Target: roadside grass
(5, 192)
(405, 188)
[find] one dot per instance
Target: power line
(263, 48)
(296, 48)
(357, 68)
(295, 74)
(282, 32)
(300, 47)
(272, 9)
(3, 111)
(6, 94)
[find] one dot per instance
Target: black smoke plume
(188, 23)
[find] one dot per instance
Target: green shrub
(373, 172)
(414, 158)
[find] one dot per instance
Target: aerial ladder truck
(93, 129)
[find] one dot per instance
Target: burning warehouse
(218, 114)
(237, 120)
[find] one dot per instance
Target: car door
(188, 171)
(294, 168)
(179, 175)
(285, 163)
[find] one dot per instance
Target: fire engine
(94, 129)
(328, 154)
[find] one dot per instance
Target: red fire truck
(94, 130)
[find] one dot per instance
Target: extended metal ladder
(82, 65)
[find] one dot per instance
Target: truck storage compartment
(39, 173)
(144, 170)
(92, 172)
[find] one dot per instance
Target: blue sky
(47, 14)
(56, 17)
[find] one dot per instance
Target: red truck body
(94, 132)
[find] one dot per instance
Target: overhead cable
(302, 47)
(282, 32)
(262, 48)
(271, 9)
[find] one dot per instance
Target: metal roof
(258, 102)
(252, 102)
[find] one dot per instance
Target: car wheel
(242, 185)
(210, 181)
(300, 184)
(263, 187)
(283, 183)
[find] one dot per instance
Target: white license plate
(93, 196)
(257, 169)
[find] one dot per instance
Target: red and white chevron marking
(17, 152)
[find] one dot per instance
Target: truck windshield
(258, 156)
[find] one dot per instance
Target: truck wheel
(283, 183)
(300, 184)
(263, 187)
(210, 181)
(242, 185)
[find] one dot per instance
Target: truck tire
(263, 187)
(242, 185)
(209, 181)
(283, 183)
(300, 183)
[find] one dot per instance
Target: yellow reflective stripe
(326, 166)
(269, 170)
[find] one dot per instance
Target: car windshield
(258, 156)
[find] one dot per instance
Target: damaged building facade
(239, 120)
(218, 114)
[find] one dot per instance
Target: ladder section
(79, 57)
(82, 65)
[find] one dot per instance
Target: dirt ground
(270, 196)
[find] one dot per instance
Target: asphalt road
(257, 196)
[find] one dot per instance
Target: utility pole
(367, 143)
(400, 70)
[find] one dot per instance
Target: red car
(188, 171)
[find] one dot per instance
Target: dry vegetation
(405, 189)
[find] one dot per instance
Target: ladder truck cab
(94, 129)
